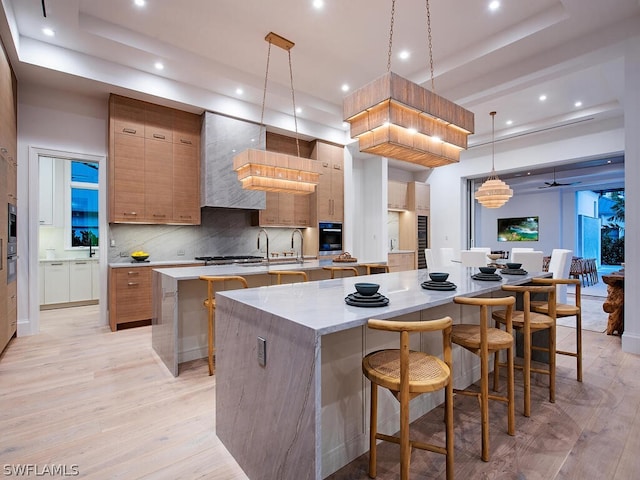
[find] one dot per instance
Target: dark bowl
(488, 269)
(438, 276)
(367, 289)
(139, 258)
(513, 266)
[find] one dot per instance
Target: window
(84, 204)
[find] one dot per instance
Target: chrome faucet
(297, 230)
(266, 235)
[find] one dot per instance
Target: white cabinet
(95, 280)
(56, 282)
(80, 280)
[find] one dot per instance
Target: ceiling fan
(555, 183)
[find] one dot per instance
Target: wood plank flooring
(79, 394)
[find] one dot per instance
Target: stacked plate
(358, 300)
(514, 271)
(489, 277)
(444, 286)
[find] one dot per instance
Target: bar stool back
(333, 269)
(565, 310)
(210, 304)
(288, 273)
(529, 322)
(483, 340)
(408, 374)
(375, 266)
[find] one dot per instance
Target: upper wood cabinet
(397, 196)
(330, 191)
(418, 195)
(154, 163)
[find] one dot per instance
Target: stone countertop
(72, 259)
(192, 273)
(320, 306)
(153, 263)
(391, 252)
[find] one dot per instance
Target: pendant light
(273, 171)
(396, 118)
(493, 193)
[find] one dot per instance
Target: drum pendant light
(493, 193)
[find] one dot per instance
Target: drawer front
(133, 294)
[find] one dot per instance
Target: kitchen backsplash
(223, 232)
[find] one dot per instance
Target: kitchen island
(179, 319)
(304, 413)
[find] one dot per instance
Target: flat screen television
(522, 229)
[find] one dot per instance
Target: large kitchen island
(301, 410)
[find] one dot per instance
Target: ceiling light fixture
(494, 5)
(345, 87)
(239, 91)
(493, 193)
(159, 66)
(272, 171)
(384, 113)
(577, 104)
(404, 55)
(48, 32)
(542, 98)
(139, 3)
(318, 4)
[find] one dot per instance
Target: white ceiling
(569, 50)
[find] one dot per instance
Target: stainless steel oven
(12, 228)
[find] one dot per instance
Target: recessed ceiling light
(253, 139)
(404, 55)
(577, 104)
(318, 4)
(528, 173)
(509, 122)
(239, 91)
(542, 98)
(608, 161)
(48, 32)
(345, 87)
(139, 3)
(345, 124)
(159, 66)
(298, 110)
(494, 5)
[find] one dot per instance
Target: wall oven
(12, 245)
(330, 237)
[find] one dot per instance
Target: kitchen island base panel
(274, 407)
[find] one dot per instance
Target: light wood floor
(78, 394)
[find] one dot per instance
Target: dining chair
(407, 374)
(430, 257)
(565, 310)
(210, 304)
(520, 249)
(559, 266)
(528, 322)
(486, 250)
(445, 256)
(473, 258)
(531, 261)
(484, 340)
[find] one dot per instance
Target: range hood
(222, 138)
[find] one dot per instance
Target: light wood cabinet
(154, 168)
(419, 198)
(285, 210)
(402, 261)
(397, 196)
(330, 191)
(130, 294)
(12, 309)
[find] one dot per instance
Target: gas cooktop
(229, 259)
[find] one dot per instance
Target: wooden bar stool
(529, 322)
(335, 269)
(483, 340)
(408, 374)
(290, 273)
(375, 266)
(210, 304)
(565, 310)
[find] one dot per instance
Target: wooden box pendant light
(396, 118)
(272, 171)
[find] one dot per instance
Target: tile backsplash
(223, 231)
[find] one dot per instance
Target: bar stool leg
(373, 430)
(527, 369)
(579, 344)
(210, 339)
(484, 404)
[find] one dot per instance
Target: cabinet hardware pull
(158, 215)
(3, 150)
(129, 130)
(129, 213)
(80, 263)
(157, 135)
(132, 284)
(133, 273)
(185, 216)
(325, 164)
(337, 166)
(56, 264)
(188, 142)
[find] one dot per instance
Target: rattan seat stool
(408, 374)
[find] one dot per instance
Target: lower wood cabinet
(130, 294)
(401, 261)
